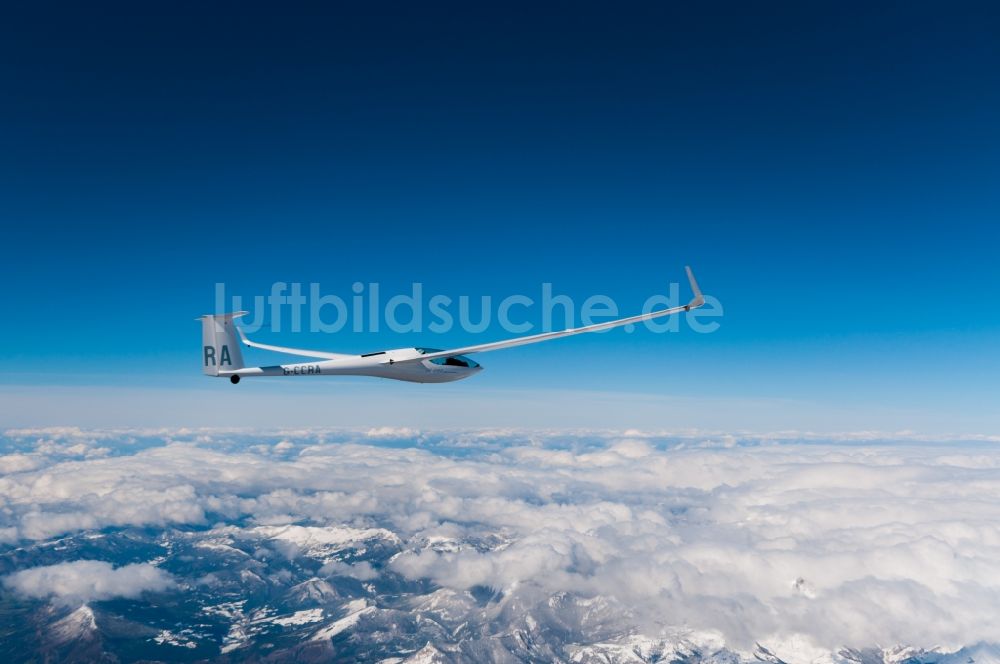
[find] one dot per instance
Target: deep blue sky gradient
(831, 171)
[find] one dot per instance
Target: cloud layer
(855, 541)
(83, 581)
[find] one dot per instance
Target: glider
(221, 354)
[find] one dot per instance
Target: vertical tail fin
(220, 349)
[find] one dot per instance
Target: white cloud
(796, 538)
(392, 433)
(362, 571)
(83, 581)
(16, 463)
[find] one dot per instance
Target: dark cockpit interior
(453, 361)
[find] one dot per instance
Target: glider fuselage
(384, 364)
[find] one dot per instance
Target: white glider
(221, 354)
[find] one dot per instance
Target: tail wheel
(234, 379)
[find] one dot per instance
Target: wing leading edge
(695, 302)
(293, 351)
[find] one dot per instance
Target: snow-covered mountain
(248, 597)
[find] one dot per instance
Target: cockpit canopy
(453, 361)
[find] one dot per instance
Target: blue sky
(830, 172)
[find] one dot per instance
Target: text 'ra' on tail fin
(220, 349)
